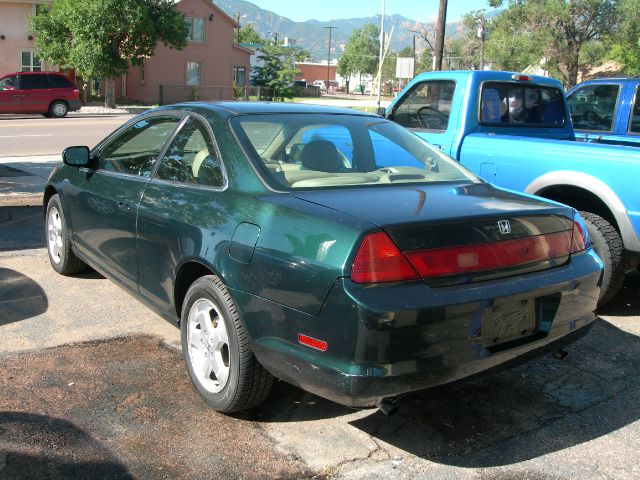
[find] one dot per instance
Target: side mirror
(76, 156)
(9, 88)
(381, 111)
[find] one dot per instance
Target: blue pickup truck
(606, 110)
(514, 130)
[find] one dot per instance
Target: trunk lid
(517, 233)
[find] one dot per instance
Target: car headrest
(321, 155)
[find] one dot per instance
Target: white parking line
(18, 136)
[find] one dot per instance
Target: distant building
(315, 71)
(208, 68)
(16, 43)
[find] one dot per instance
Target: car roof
(34, 73)
(240, 108)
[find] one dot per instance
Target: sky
(422, 10)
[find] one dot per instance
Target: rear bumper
(74, 105)
(385, 340)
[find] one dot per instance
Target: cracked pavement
(116, 403)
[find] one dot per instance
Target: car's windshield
(325, 150)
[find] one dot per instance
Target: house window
(239, 76)
(196, 29)
(142, 72)
(193, 74)
(30, 62)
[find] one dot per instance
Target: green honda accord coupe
(329, 248)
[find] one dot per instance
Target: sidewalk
(24, 177)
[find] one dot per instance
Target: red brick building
(315, 71)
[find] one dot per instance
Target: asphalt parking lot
(93, 386)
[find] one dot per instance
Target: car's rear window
(324, 150)
(58, 81)
(512, 104)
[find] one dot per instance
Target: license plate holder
(504, 322)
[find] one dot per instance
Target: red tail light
(380, 260)
(458, 260)
(521, 78)
(579, 238)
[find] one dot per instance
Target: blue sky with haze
(422, 10)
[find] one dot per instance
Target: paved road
(35, 135)
(123, 406)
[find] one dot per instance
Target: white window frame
(199, 81)
(30, 67)
(191, 22)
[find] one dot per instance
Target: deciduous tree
(558, 30)
(626, 42)
(100, 39)
(277, 70)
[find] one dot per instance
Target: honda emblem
(504, 226)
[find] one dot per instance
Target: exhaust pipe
(388, 406)
(560, 354)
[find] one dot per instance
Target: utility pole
(381, 54)
(329, 57)
(238, 27)
(442, 20)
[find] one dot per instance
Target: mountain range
(312, 35)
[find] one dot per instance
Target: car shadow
(40, 446)
(20, 297)
(627, 302)
(538, 408)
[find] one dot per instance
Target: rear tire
(61, 256)
(217, 349)
(58, 109)
(608, 245)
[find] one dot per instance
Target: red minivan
(48, 93)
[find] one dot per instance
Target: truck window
(634, 120)
(427, 106)
(593, 107)
(512, 104)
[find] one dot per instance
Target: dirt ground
(102, 410)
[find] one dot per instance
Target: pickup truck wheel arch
(585, 192)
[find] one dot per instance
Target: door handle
(125, 205)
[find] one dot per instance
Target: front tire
(608, 245)
(61, 256)
(217, 350)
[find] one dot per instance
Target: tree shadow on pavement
(541, 407)
(20, 297)
(39, 446)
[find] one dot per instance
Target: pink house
(16, 43)
(206, 69)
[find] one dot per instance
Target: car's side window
(135, 150)
(34, 82)
(427, 106)
(593, 107)
(634, 119)
(9, 83)
(191, 157)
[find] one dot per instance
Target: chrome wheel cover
(54, 235)
(208, 345)
(59, 110)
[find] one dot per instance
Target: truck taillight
(521, 78)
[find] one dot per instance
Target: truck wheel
(217, 349)
(608, 245)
